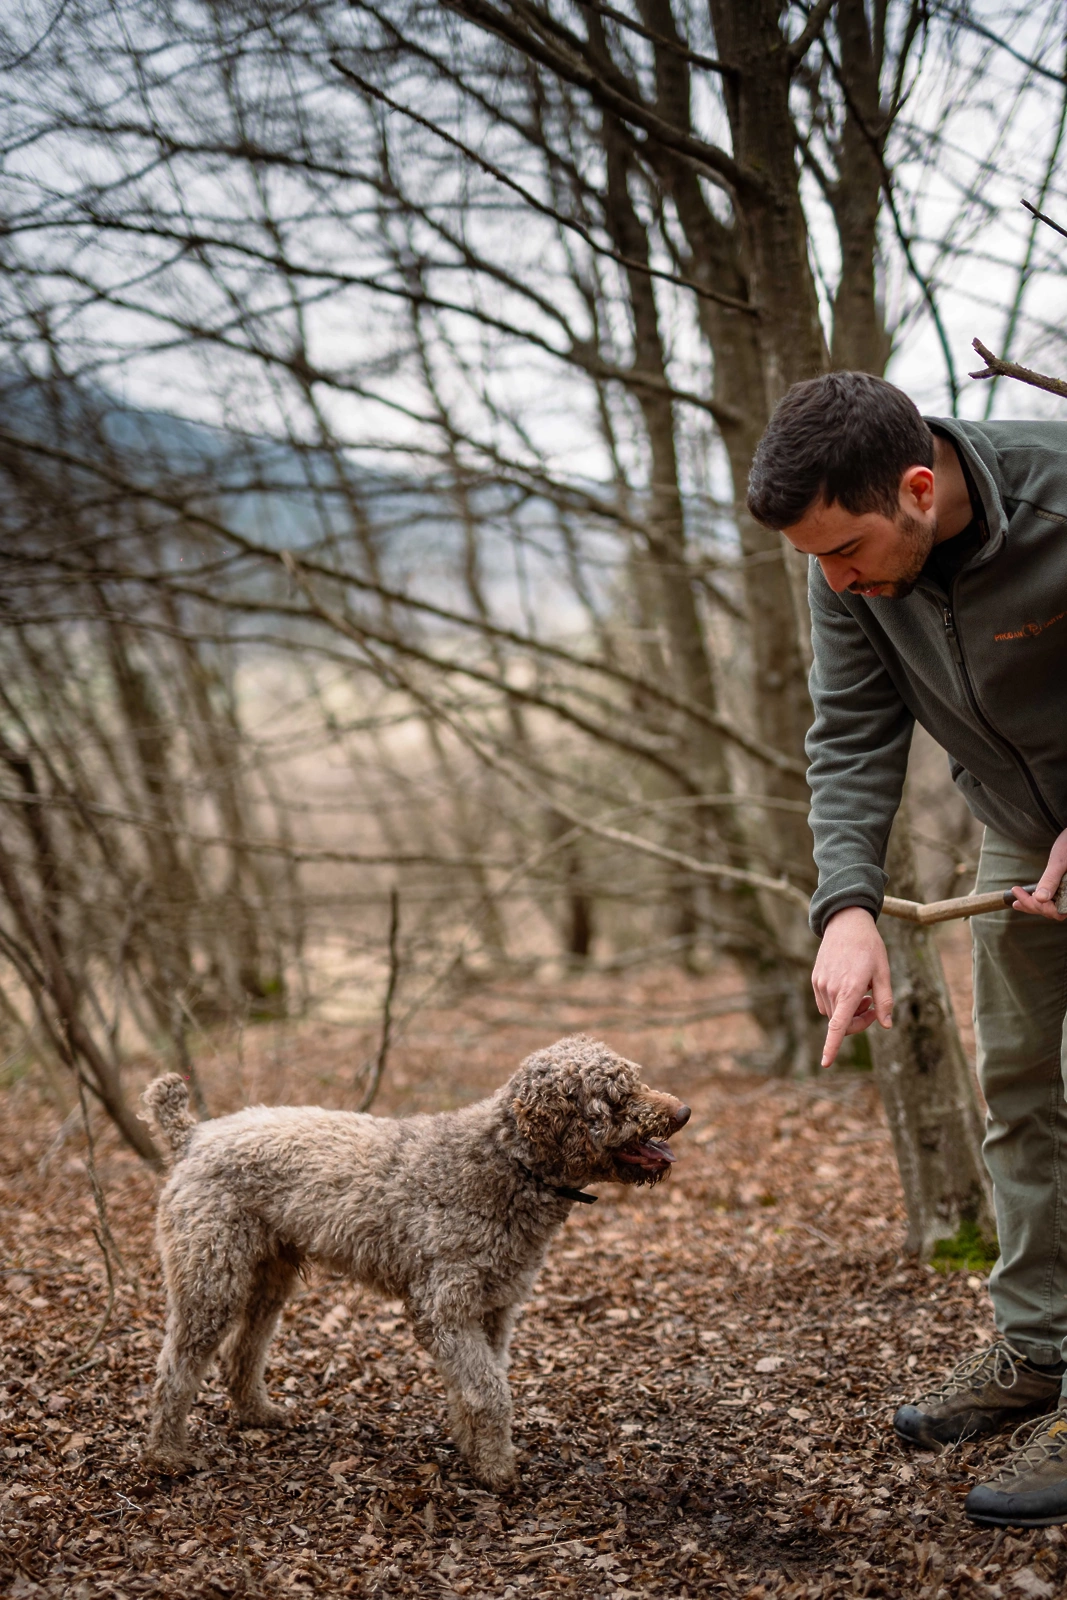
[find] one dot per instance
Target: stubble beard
(916, 541)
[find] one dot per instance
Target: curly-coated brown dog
(451, 1213)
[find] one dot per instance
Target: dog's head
(582, 1115)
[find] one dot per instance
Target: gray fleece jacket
(983, 668)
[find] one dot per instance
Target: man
(938, 590)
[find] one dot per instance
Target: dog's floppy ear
(548, 1106)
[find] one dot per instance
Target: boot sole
(1019, 1522)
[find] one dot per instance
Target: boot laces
(999, 1364)
(1032, 1444)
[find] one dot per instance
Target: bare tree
(487, 305)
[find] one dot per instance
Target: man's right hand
(851, 978)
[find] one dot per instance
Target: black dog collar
(561, 1189)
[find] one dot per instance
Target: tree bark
(777, 618)
(859, 341)
(774, 227)
(925, 1080)
(746, 927)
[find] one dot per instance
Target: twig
(1041, 217)
(996, 368)
(179, 1013)
(904, 239)
(1025, 269)
(63, 1133)
(87, 1354)
(675, 46)
(387, 1005)
(103, 1235)
(815, 1232)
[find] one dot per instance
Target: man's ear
(917, 490)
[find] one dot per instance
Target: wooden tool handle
(967, 905)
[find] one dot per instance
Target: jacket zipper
(957, 655)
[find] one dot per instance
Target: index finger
(844, 1012)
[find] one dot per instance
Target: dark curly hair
(846, 437)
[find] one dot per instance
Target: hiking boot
(1030, 1490)
(986, 1392)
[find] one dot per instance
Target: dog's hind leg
(204, 1297)
(244, 1354)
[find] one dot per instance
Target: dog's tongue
(650, 1153)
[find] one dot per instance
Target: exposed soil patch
(703, 1382)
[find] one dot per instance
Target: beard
(916, 541)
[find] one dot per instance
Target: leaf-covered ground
(703, 1382)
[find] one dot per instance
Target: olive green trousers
(1020, 1006)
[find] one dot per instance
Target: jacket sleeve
(858, 748)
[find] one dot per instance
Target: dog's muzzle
(650, 1155)
(653, 1157)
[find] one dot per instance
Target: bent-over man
(938, 587)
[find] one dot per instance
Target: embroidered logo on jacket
(1030, 630)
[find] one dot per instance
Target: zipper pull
(950, 633)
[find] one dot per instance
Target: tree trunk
(746, 926)
(781, 992)
(756, 94)
(925, 1080)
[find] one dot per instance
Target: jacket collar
(981, 460)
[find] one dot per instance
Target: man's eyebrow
(836, 551)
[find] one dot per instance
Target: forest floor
(703, 1381)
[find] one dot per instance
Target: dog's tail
(167, 1102)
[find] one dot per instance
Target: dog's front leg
(479, 1399)
(498, 1325)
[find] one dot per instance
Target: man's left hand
(1042, 902)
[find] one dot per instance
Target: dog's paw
(265, 1415)
(496, 1469)
(162, 1463)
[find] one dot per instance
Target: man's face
(872, 554)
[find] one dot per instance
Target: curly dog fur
(450, 1213)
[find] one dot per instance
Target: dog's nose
(681, 1117)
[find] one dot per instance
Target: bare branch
(571, 66)
(1041, 217)
(709, 63)
(996, 368)
(377, 1068)
(645, 685)
(817, 20)
(540, 205)
(102, 1234)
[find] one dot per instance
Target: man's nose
(838, 574)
